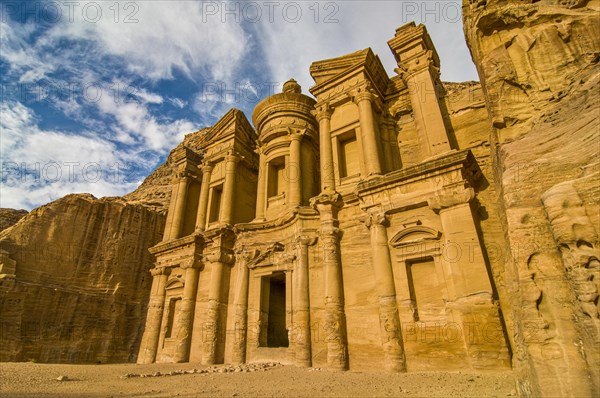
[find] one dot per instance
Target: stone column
(335, 318)
(301, 304)
(149, 344)
(390, 148)
(323, 115)
(389, 320)
(419, 67)
(295, 170)
(203, 202)
(364, 99)
(186, 312)
(241, 308)
(171, 211)
(212, 333)
(261, 191)
(180, 205)
(227, 207)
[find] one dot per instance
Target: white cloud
(134, 122)
(177, 102)
(23, 59)
(154, 37)
(39, 166)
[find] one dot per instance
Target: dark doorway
(277, 335)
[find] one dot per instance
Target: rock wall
(9, 217)
(74, 281)
(538, 63)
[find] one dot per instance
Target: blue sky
(96, 93)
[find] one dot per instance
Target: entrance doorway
(274, 306)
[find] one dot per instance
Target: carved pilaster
(389, 319)
(335, 319)
(323, 115)
(207, 169)
(261, 190)
(365, 100)
(219, 258)
(244, 257)
(227, 206)
(294, 171)
(149, 344)
(183, 335)
(301, 303)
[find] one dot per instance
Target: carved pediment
(266, 256)
(174, 283)
(415, 234)
(330, 73)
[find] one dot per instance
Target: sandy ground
(260, 380)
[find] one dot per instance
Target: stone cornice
(185, 154)
(172, 245)
(453, 160)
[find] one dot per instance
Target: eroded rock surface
(538, 62)
(74, 280)
(9, 217)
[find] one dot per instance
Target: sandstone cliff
(538, 63)
(9, 217)
(74, 280)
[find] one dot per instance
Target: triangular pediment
(324, 70)
(233, 124)
(328, 74)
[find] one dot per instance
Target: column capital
(304, 240)
(207, 167)
(364, 92)
(450, 196)
(244, 254)
(192, 263)
(327, 198)
(233, 157)
(376, 219)
(296, 134)
(260, 149)
(360, 96)
(220, 256)
(322, 111)
(182, 176)
(157, 271)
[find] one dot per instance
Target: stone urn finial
(292, 86)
